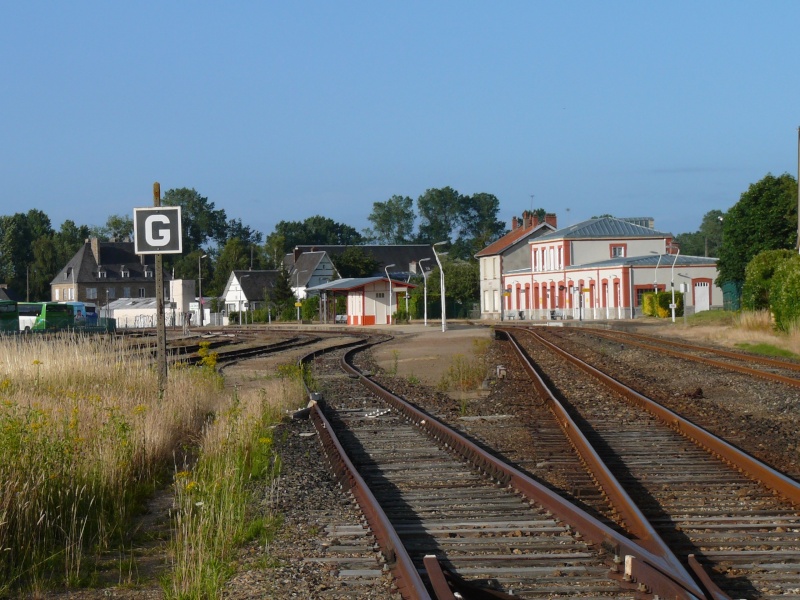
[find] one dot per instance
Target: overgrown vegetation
(466, 373)
(210, 517)
(85, 440)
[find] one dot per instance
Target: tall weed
(83, 436)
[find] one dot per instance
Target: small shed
(370, 300)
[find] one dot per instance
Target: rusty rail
(785, 486)
(710, 361)
(636, 522)
(409, 582)
(651, 570)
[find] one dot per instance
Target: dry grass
(83, 438)
(751, 330)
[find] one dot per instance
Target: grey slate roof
(305, 267)
(648, 260)
(255, 283)
(113, 256)
(603, 227)
(352, 283)
(401, 255)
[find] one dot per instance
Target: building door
(702, 296)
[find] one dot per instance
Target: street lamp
(672, 284)
(425, 294)
(655, 273)
(441, 281)
(240, 296)
(386, 270)
(200, 284)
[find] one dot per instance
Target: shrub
(784, 292)
(758, 278)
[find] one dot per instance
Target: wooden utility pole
(161, 331)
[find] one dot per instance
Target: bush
(657, 305)
(784, 292)
(758, 278)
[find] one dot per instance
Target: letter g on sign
(156, 230)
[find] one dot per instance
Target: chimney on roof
(530, 219)
(550, 219)
(95, 243)
(514, 223)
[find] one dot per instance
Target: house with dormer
(100, 272)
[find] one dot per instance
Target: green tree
(46, 264)
(480, 225)
(234, 256)
(200, 220)
(758, 278)
(354, 262)
(440, 215)
(118, 227)
(69, 239)
(18, 233)
(274, 250)
(784, 292)
(282, 295)
(392, 221)
(316, 230)
(764, 218)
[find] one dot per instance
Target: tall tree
(354, 262)
(480, 225)
(117, 227)
(69, 239)
(439, 212)
(392, 221)
(315, 230)
(234, 256)
(764, 218)
(200, 220)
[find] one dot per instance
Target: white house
(246, 291)
(309, 270)
(509, 253)
(600, 268)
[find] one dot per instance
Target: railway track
(771, 369)
(740, 528)
(446, 509)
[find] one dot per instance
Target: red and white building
(600, 268)
(509, 253)
(370, 300)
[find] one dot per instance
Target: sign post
(157, 231)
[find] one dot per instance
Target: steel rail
(406, 575)
(757, 470)
(715, 363)
(637, 524)
(652, 572)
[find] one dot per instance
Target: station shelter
(370, 300)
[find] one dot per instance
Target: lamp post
(672, 284)
(240, 296)
(441, 281)
(425, 293)
(386, 270)
(200, 284)
(655, 273)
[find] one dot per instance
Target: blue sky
(284, 110)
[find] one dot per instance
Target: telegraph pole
(161, 331)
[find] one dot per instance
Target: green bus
(9, 316)
(44, 316)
